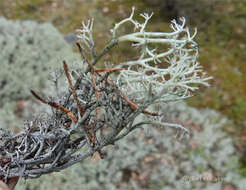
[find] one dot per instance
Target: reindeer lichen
(96, 110)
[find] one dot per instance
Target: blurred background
(37, 35)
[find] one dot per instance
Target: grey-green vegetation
(102, 110)
(29, 50)
(168, 163)
(160, 160)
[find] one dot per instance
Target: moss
(238, 111)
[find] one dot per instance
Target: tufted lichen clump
(95, 109)
(28, 51)
(148, 157)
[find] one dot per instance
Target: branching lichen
(95, 110)
(172, 73)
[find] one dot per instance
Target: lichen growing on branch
(96, 110)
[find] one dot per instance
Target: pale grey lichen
(175, 164)
(170, 71)
(154, 160)
(28, 51)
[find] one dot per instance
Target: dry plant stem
(71, 86)
(107, 48)
(54, 143)
(91, 134)
(136, 107)
(94, 83)
(132, 104)
(111, 44)
(108, 70)
(56, 106)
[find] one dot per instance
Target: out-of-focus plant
(152, 158)
(28, 51)
(26, 56)
(98, 110)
